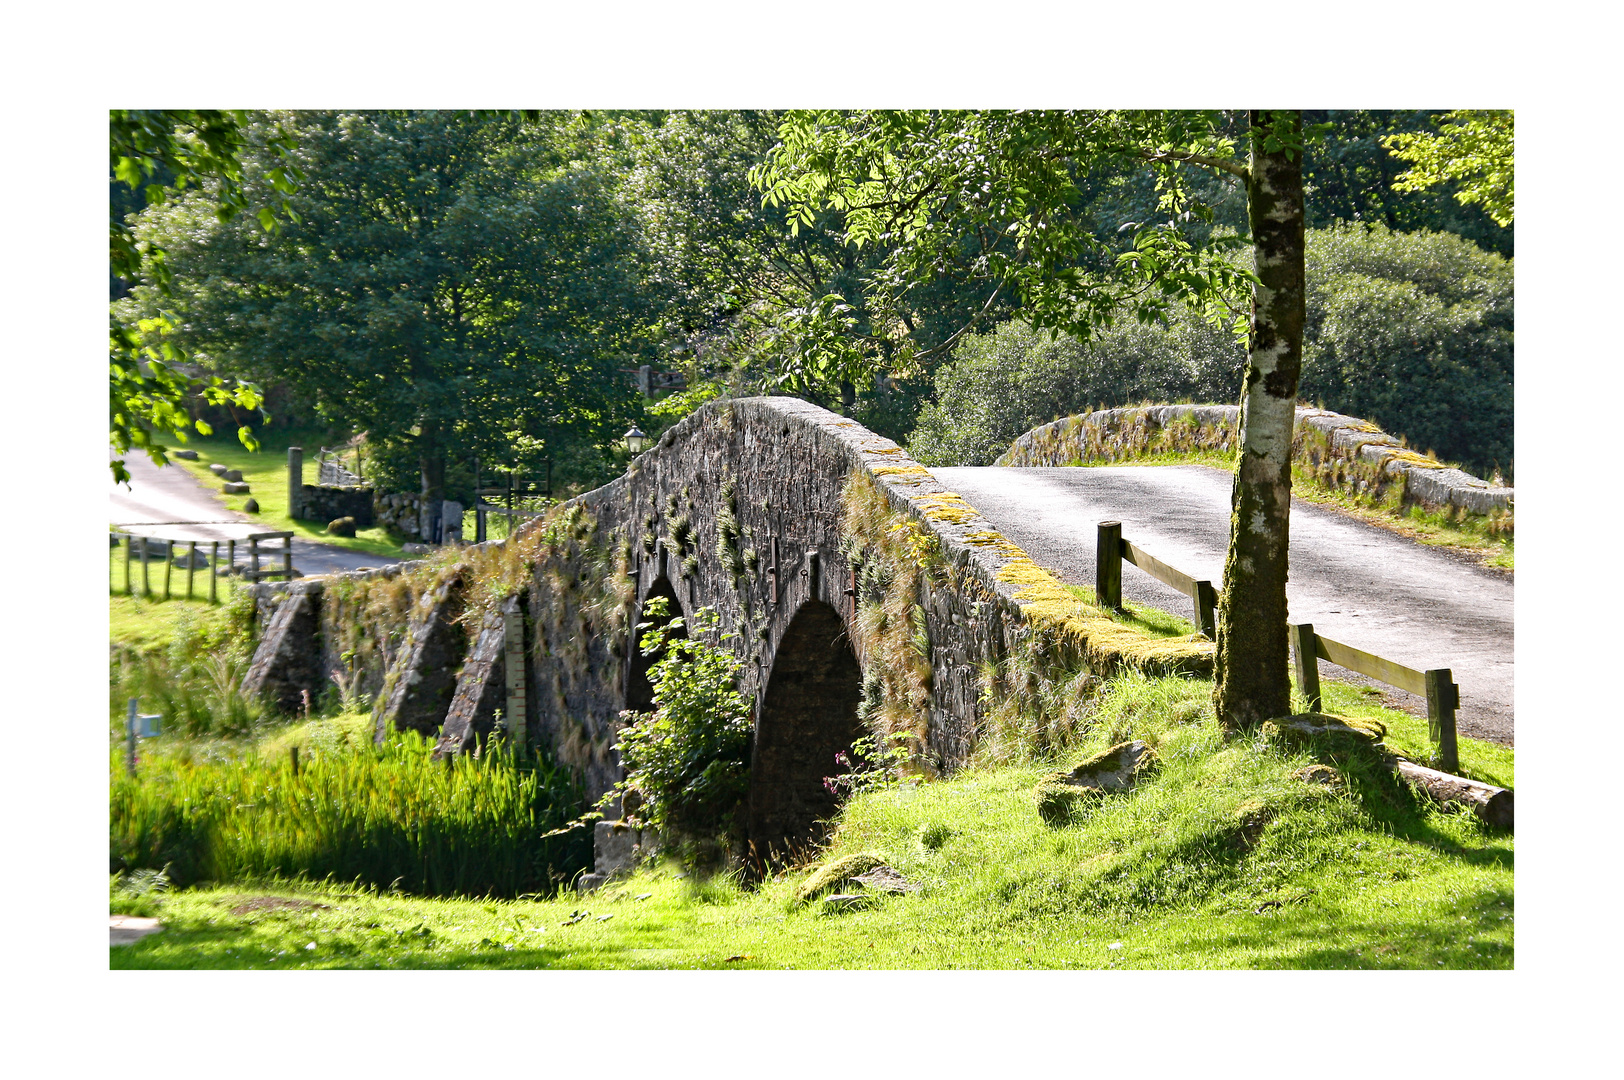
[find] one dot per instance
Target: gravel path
(1356, 583)
(170, 502)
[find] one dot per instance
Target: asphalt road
(172, 503)
(1356, 583)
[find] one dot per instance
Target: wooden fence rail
(1110, 553)
(143, 548)
(1437, 685)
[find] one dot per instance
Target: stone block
(617, 847)
(233, 475)
(234, 488)
(184, 455)
(344, 526)
(217, 469)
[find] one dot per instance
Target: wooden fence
(145, 549)
(1437, 685)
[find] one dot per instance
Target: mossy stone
(837, 872)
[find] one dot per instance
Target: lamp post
(636, 441)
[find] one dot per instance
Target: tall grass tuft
(386, 816)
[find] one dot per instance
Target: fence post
(295, 480)
(214, 572)
(1206, 609)
(479, 523)
(253, 559)
(1305, 654)
(191, 567)
(169, 566)
(1108, 566)
(1443, 698)
(287, 558)
(146, 574)
(129, 542)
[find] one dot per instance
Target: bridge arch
(639, 691)
(808, 714)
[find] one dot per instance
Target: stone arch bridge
(858, 593)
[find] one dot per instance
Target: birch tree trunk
(1252, 673)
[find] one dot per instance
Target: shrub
(689, 759)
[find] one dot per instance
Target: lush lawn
(1222, 860)
(266, 471)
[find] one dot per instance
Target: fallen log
(1492, 804)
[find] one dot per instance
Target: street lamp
(636, 441)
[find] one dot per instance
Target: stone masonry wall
(1340, 451)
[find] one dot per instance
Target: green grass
(1222, 860)
(266, 472)
(382, 815)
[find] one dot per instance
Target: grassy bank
(1225, 859)
(266, 472)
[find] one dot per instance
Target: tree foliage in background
(454, 284)
(1413, 331)
(152, 152)
(1472, 149)
(1003, 383)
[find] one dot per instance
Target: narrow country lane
(168, 501)
(1356, 583)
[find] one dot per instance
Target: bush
(689, 759)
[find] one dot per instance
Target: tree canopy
(454, 284)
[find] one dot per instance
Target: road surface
(159, 498)
(1356, 583)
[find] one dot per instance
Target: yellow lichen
(947, 507)
(901, 470)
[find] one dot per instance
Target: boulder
(217, 469)
(251, 506)
(196, 559)
(233, 475)
(184, 455)
(837, 872)
(234, 488)
(344, 526)
(1116, 769)
(417, 549)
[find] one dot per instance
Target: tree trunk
(1253, 683)
(431, 466)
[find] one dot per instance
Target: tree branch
(1234, 168)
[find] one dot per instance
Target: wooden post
(513, 668)
(146, 574)
(294, 753)
(1443, 698)
(253, 559)
(231, 554)
(1306, 656)
(1206, 609)
(191, 568)
(1108, 566)
(214, 572)
(479, 522)
(287, 557)
(169, 566)
(129, 542)
(296, 481)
